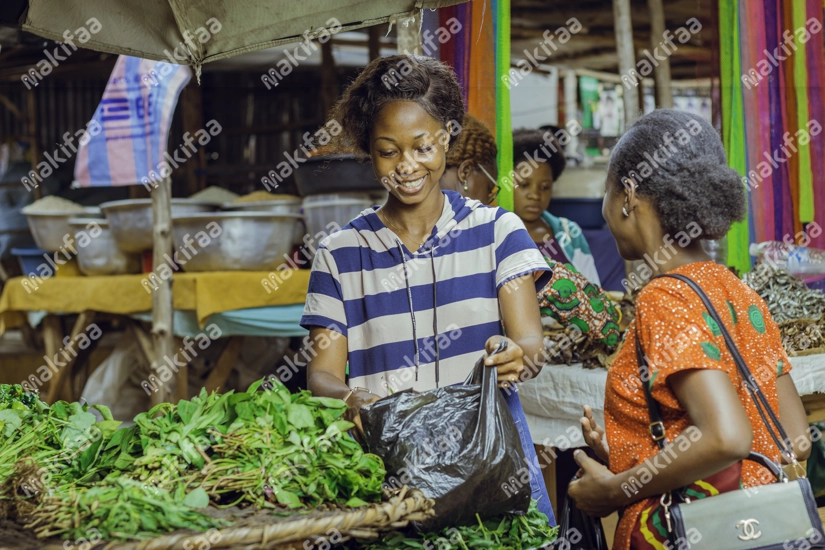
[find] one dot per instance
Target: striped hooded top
(418, 319)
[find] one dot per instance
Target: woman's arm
(713, 405)
(326, 372)
(792, 416)
(522, 323)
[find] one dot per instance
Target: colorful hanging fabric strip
(805, 213)
(733, 128)
(482, 90)
(747, 36)
(815, 56)
(133, 121)
(504, 125)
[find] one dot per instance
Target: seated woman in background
(538, 161)
(471, 163)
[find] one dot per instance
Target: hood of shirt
(456, 208)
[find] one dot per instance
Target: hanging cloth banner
(733, 129)
(504, 124)
(132, 123)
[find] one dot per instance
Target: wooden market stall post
(661, 72)
(163, 339)
(627, 58)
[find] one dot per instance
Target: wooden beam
(52, 341)
(34, 136)
(814, 407)
(374, 42)
(192, 122)
(661, 73)
(329, 79)
(627, 59)
(226, 363)
(11, 107)
(163, 339)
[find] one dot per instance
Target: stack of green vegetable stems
(269, 449)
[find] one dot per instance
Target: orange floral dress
(678, 334)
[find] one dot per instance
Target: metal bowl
(275, 207)
(248, 241)
(335, 173)
(100, 254)
(51, 230)
(131, 220)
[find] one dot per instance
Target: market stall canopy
(193, 32)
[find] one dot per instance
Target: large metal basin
(275, 207)
(100, 255)
(131, 220)
(49, 228)
(335, 174)
(248, 241)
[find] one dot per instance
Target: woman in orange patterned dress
(668, 187)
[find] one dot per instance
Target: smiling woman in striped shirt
(411, 294)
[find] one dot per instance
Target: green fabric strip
(806, 177)
(504, 124)
(733, 125)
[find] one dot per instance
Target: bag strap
(760, 401)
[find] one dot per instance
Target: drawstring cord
(435, 318)
(412, 313)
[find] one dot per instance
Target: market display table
(553, 400)
(240, 303)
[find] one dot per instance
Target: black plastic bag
(577, 530)
(458, 444)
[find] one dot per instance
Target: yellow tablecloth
(205, 293)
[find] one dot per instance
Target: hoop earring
(625, 212)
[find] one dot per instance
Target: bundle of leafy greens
(266, 448)
(507, 532)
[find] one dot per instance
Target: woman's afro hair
(677, 161)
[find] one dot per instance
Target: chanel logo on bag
(749, 530)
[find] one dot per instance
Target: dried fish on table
(803, 336)
(787, 297)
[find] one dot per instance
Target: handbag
(577, 530)
(782, 515)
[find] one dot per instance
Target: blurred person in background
(538, 161)
(471, 163)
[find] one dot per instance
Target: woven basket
(263, 531)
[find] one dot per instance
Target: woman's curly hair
(475, 142)
(424, 80)
(677, 161)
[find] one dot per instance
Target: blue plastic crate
(29, 258)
